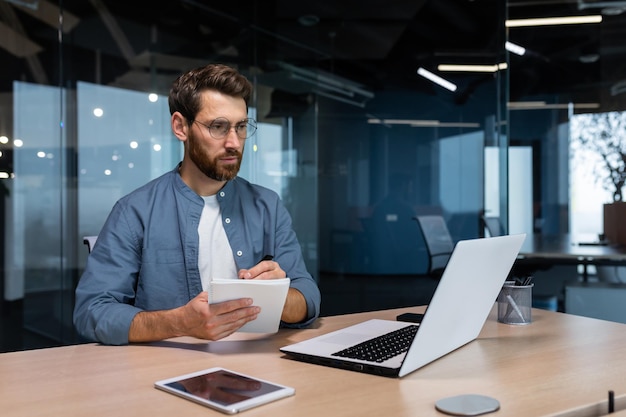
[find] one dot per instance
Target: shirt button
(222, 193)
(227, 220)
(239, 253)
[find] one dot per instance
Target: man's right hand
(196, 318)
(216, 321)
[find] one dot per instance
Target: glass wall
(566, 71)
(569, 74)
(354, 141)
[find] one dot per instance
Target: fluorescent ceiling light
(402, 122)
(542, 105)
(471, 68)
(436, 79)
(516, 49)
(548, 21)
(450, 124)
(420, 123)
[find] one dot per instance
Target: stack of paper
(268, 294)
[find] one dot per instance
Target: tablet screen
(225, 390)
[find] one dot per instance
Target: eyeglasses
(219, 128)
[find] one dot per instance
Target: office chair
(493, 225)
(89, 241)
(439, 243)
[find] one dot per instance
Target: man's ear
(180, 127)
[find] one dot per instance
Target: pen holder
(515, 304)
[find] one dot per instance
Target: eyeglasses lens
(219, 128)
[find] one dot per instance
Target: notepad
(268, 294)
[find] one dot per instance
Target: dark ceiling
(377, 44)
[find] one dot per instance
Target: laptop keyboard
(381, 348)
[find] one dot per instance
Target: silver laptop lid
(464, 297)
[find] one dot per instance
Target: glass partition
(563, 71)
(40, 265)
(347, 128)
(124, 140)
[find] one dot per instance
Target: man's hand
(196, 318)
(295, 308)
(263, 270)
(216, 321)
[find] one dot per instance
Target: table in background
(544, 251)
(559, 362)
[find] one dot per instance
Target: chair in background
(493, 225)
(90, 241)
(438, 242)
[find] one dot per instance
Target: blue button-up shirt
(146, 256)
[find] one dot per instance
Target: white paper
(269, 294)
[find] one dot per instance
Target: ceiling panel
(376, 44)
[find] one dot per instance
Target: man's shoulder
(157, 188)
(151, 185)
(244, 186)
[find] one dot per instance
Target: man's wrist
(149, 326)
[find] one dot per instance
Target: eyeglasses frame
(249, 122)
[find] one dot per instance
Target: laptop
(454, 317)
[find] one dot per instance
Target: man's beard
(210, 167)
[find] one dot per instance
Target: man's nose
(232, 139)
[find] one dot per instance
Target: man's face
(219, 159)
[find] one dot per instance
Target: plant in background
(603, 135)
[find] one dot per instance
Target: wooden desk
(558, 362)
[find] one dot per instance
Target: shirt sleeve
(289, 256)
(104, 306)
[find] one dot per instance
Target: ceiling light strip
(436, 79)
(542, 105)
(457, 124)
(549, 21)
(514, 48)
(469, 68)
(421, 123)
(404, 122)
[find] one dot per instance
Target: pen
(515, 306)
(267, 258)
(523, 282)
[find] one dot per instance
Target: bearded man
(148, 275)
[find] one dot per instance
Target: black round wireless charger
(467, 405)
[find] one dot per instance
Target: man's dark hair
(185, 92)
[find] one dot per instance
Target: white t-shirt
(215, 256)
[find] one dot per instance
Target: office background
(346, 126)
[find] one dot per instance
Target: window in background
(461, 186)
(124, 141)
(520, 187)
(597, 165)
(37, 216)
(265, 162)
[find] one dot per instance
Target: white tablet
(227, 391)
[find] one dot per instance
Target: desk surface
(558, 362)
